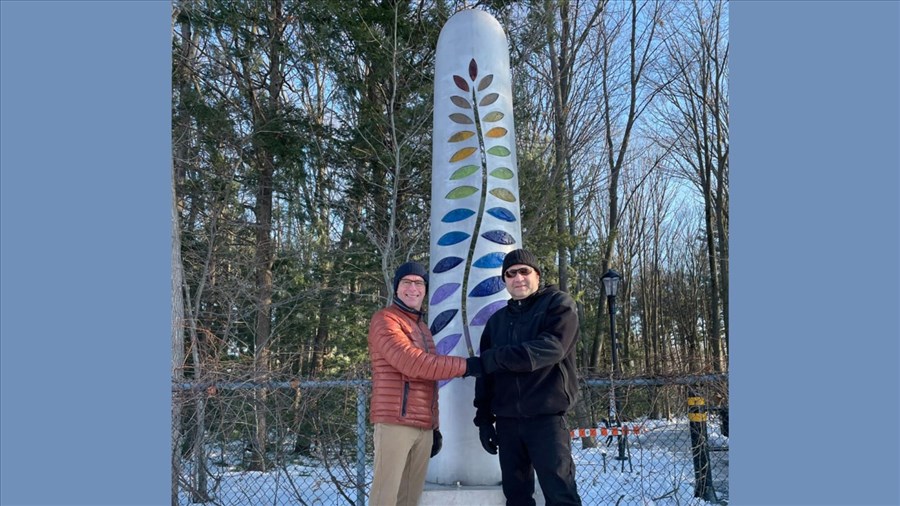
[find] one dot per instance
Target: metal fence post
(699, 446)
(360, 445)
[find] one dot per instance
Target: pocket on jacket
(405, 398)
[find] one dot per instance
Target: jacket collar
(523, 304)
(417, 315)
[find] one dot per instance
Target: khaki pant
(401, 460)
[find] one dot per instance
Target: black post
(620, 439)
(697, 416)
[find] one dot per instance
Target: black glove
(436, 442)
(474, 367)
(488, 436)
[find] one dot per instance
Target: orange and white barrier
(607, 431)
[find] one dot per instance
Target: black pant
(536, 445)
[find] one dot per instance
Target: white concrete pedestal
(481, 495)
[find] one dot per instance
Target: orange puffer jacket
(405, 370)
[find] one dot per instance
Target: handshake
(474, 367)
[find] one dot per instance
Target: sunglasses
(525, 271)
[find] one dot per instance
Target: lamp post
(611, 286)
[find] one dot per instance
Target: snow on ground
(659, 473)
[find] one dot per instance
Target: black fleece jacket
(528, 351)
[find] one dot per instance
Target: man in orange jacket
(404, 407)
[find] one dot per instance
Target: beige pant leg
(413, 481)
(401, 460)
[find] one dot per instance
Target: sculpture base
(449, 495)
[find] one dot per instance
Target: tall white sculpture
(474, 221)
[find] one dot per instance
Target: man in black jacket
(528, 354)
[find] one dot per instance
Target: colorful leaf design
(492, 116)
(503, 194)
(451, 238)
(488, 99)
(485, 82)
(462, 135)
(485, 313)
(501, 214)
(490, 261)
(460, 102)
(446, 263)
(473, 69)
(502, 173)
(499, 151)
(443, 292)
(441, 320)
(461, 83)
(495, 133)
(489, 286)
(467, 152)
(465, 171)
(457, 214)
(461, 192)
(446, 345)
(499, 237)
(461, 119)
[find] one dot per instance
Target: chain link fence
(661, 441)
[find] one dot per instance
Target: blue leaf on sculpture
(482, 317)
(501, 214)
(490, 261)
(451, 238)
(447, 263)
(489, 286)
(499, 237)
(441, 321)
(457, 215)
(446, 345)
(443, 292)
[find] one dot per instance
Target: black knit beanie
(414, 268)
(520, 256)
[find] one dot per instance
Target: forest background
(799, 125)
(301, 133)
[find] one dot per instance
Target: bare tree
(625, 96)
(697, 118)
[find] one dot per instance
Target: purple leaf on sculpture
(447, 263)
(499, 237)
(441, 320)
(461, 83)
(482, 317)
(451, 238)
(446, 345)
(473, 69)
(490, 261)
(443, 292)
(489, 286)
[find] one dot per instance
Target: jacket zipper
(405, 397)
